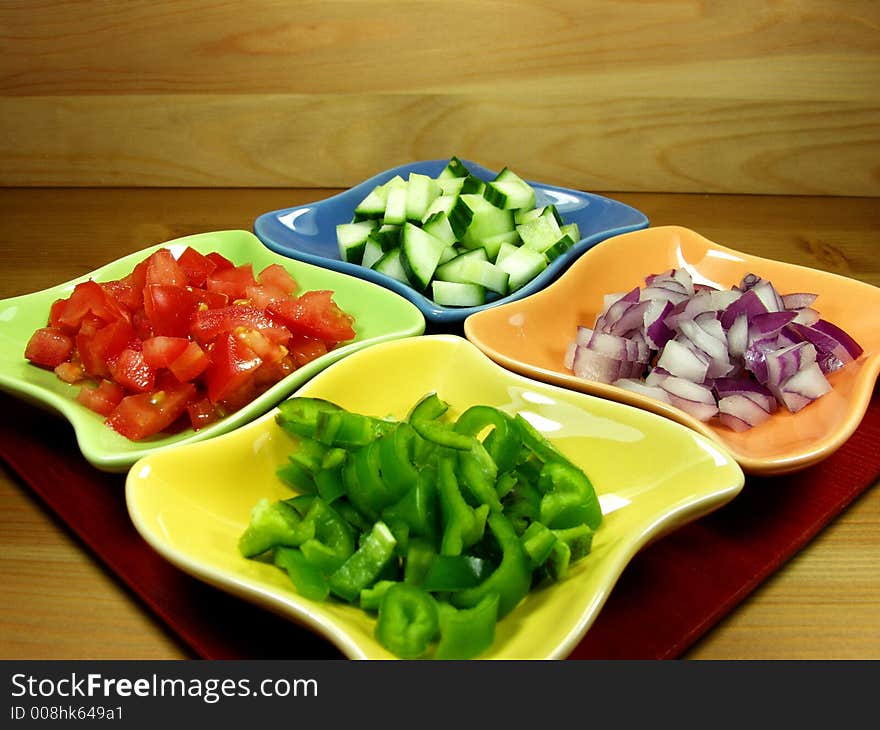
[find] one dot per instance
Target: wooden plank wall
(774, 96)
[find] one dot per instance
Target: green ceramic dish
(379, 314)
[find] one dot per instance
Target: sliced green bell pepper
(512, 578)
(408, 621)
(465, 633)
(365, 565)
(272, 524)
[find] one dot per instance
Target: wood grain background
(772, 97)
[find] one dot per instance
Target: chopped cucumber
(541, 233)
(420, 254)
(522, 265)
(453, 270)
(455, 168)
(421, 191)
(462, 240)
(352, 237)
(455, 294)
(391, 265)
(395, 206)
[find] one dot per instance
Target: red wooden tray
(671, 593)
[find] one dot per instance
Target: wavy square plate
(379, 315)
(652, 475)
(308, 232)
(530, 337)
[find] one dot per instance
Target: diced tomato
(160, 351)
(70, 372)
(196, 266)
(261, 296)
(201, 413)
(305, 349)
(209, 299)
(266, 349)
(270, 373)
(132, 372)
(89, 298)
(315, 314)
(276, 275)
(100, 348)
(232, 282)
(191, 363)
(196, 335)
(209, 323)
(48, 347)
(232, 368)
(144, 414)
(162, 268)
(128, 290)
(170, 309)
(103, 398)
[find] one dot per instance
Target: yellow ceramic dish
(652, 475)
(530, 337)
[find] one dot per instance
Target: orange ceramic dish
(530, 336)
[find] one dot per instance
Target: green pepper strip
(430, 407)
(538, 541)
(371, 598)
(408, 621)
(569, 499)
(478, 479)
(306, 577)
(442, 434)
(296, 477)
(272, 524)
(365, 565)
(363, 482)
(467, 632)
(502, 443)
(420, 555)
(333, 542)
(418, 507)
(511, 580)
(455, 573)
(395, 458)
(579, 540)
(299, 416)
(463, 525)
(349, 430)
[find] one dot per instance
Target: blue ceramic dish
(308, 233)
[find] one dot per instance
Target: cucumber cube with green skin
(523, 265)
(451, 185)
(541, 233)
(487, 275)
(454, 270)
(454, 168)
(524, 216)
(438, 225)
(421, 191)
(395, 206)
(372, 252)
(493, 244)
(559, 248)
(372, 206)
(351, 238)
(391, 265)
(571, 230)
(420, 255)
(505, 250)
(457, 294)
(441, 204)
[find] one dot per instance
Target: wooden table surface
(58, 602)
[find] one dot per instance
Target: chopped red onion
(734, 354)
